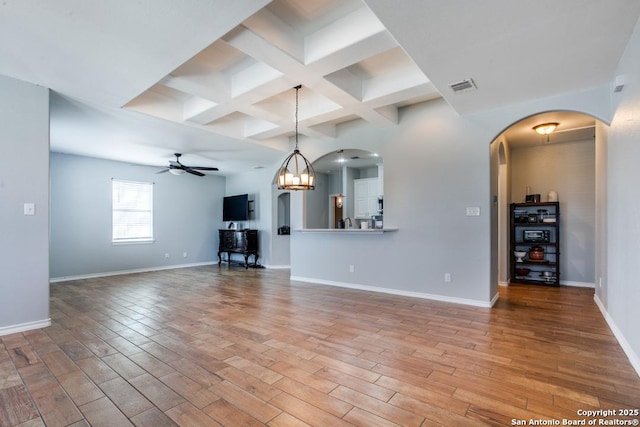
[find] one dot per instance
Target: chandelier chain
(296, 117)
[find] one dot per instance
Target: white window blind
(132, 211)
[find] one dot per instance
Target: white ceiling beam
(215, 87)
(352, 54)
(328, 129)
(252, 77)
(386, 84)
(195, 106)
(346, 31)
(278, 32)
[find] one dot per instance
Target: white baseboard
(454, 300)
(626, 347)
(578, 284)
(564, 283)
(121, 272)
(277, 267)
(22, 327)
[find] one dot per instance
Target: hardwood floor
(227, 346)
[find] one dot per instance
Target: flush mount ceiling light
(296, 173)
(545, 128)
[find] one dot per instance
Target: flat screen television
(235, 208)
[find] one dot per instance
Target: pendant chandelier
(296, 173)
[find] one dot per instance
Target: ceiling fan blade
(163, 170)
(203, 168)
(175, 164)
(191, 171)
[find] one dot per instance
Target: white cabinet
(366, 192)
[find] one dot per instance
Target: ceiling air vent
(463, 86)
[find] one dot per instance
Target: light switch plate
(29, 208)
(473, 211)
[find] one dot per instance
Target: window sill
(132, 242)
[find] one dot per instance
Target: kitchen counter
(346, 230)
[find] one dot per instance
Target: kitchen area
(349, 192)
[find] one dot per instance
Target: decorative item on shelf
(542, 214)
(523, 271)
(532, 198)
(296, 173)
(520, 216)
(519, 255)
(552, 196)
(536, 253)
(549, 276)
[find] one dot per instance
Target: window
(132, 211)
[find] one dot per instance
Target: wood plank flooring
(213, 345)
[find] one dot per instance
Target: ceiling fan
(177, 168)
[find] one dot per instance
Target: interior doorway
(563, 162)
(336, 214)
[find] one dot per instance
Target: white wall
(24, 178)
(569, 169)
(187, 215)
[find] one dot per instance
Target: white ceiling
(138, 81)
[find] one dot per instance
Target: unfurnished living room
(319, 213)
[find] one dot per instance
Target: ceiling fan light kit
(296, 172)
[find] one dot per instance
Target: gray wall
(436, 164)
(24, 178)
(280, 245)
(623, 214)
(568, 169)
(187, 215)
(317, 203)
(260, 184)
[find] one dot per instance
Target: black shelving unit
(535, 226)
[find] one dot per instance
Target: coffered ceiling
(241, 86)
(138, 81)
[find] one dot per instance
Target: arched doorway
(563, 161)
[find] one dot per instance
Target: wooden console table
(243, 242)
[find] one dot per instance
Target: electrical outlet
(184, 254)
(447, 277)
(166, 256)
(352, 269)
(473, 211)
